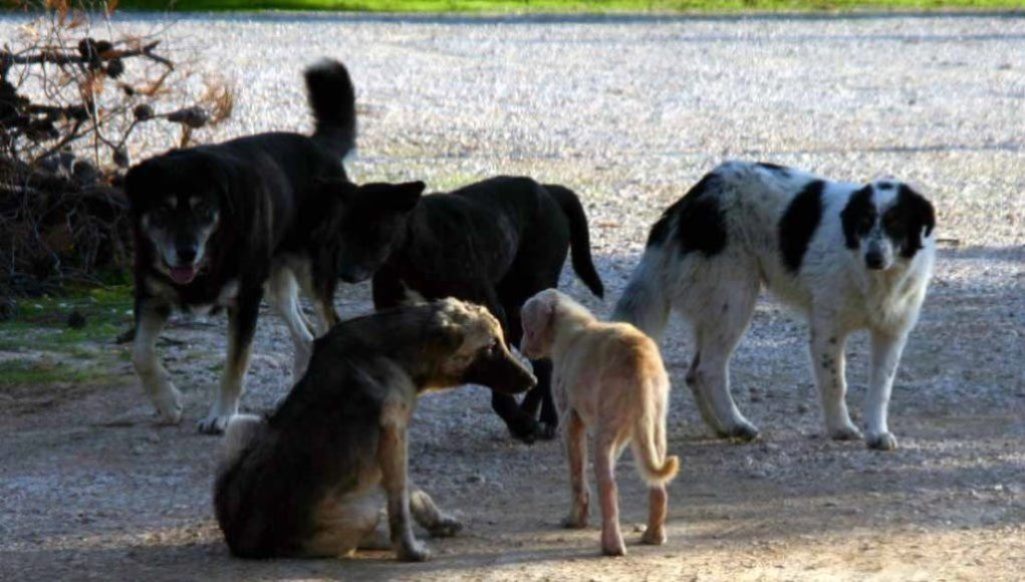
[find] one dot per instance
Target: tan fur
(608, 377)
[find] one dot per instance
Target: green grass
(24, 373)
(39, 326)
(567, 6)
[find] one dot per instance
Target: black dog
(303, 482)
(496, 242)
(214, 224)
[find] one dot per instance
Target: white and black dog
(849, 256)
(216, 224)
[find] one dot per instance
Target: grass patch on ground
(564, 6)
(39, 347)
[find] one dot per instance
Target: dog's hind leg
(343, 526)
(284, 294)
(718, 327)
(149, 321)
(827, 362)
(438, 523)
(575, 437)
(241, 327)
(886, 351)
(607, 449)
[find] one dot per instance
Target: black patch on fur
(908, 220)
(799, 223)
(698, 220)
(858, 216)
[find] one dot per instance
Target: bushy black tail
(333, 101)
(579, 238)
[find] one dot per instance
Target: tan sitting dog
(608, 377)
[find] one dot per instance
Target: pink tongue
(183, 275)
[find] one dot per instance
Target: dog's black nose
(874, 260)
(186, 254)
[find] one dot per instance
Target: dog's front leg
(827, 362)
(392, 457)
(241, 326)
(149, 321)
(886, 352)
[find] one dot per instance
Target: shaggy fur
(216, 225)
(305, 481)
(847, 256)
(608, 377)
(496, 242)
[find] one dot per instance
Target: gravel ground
(628, 111)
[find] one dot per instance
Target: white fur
(833, 289)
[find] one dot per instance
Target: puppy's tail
(644, 303)
(649, 444)
(333, 101)
(579, 237)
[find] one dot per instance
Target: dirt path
(90, 488)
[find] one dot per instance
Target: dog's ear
(341, 190)
(405, 196)
(857, 216)
(137, 183)
(919, 216)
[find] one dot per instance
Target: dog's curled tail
(579, 237)
(333, 101)
(649, 447)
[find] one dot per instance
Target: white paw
(847, 432)
(741, 430)
(169, 407)
(446, 527)
(214, 423)
(883, 441)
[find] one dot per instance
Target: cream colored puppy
(608, 377)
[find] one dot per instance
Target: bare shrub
(72, 105)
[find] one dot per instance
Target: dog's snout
(186, 254)
(874, 260)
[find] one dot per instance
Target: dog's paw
(525, 430)
(214, 424)
(617, 548)
(575, 520)
(654, 536)
(548, 431)
(884, 441)
(849, 432)
(742, 431)
(445, 527)
(169, 407)
(415, 551)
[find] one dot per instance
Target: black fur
(265, 190)
(496, 242)
(799, 223)
(858, 216)
(698, 220)
(908, 220)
